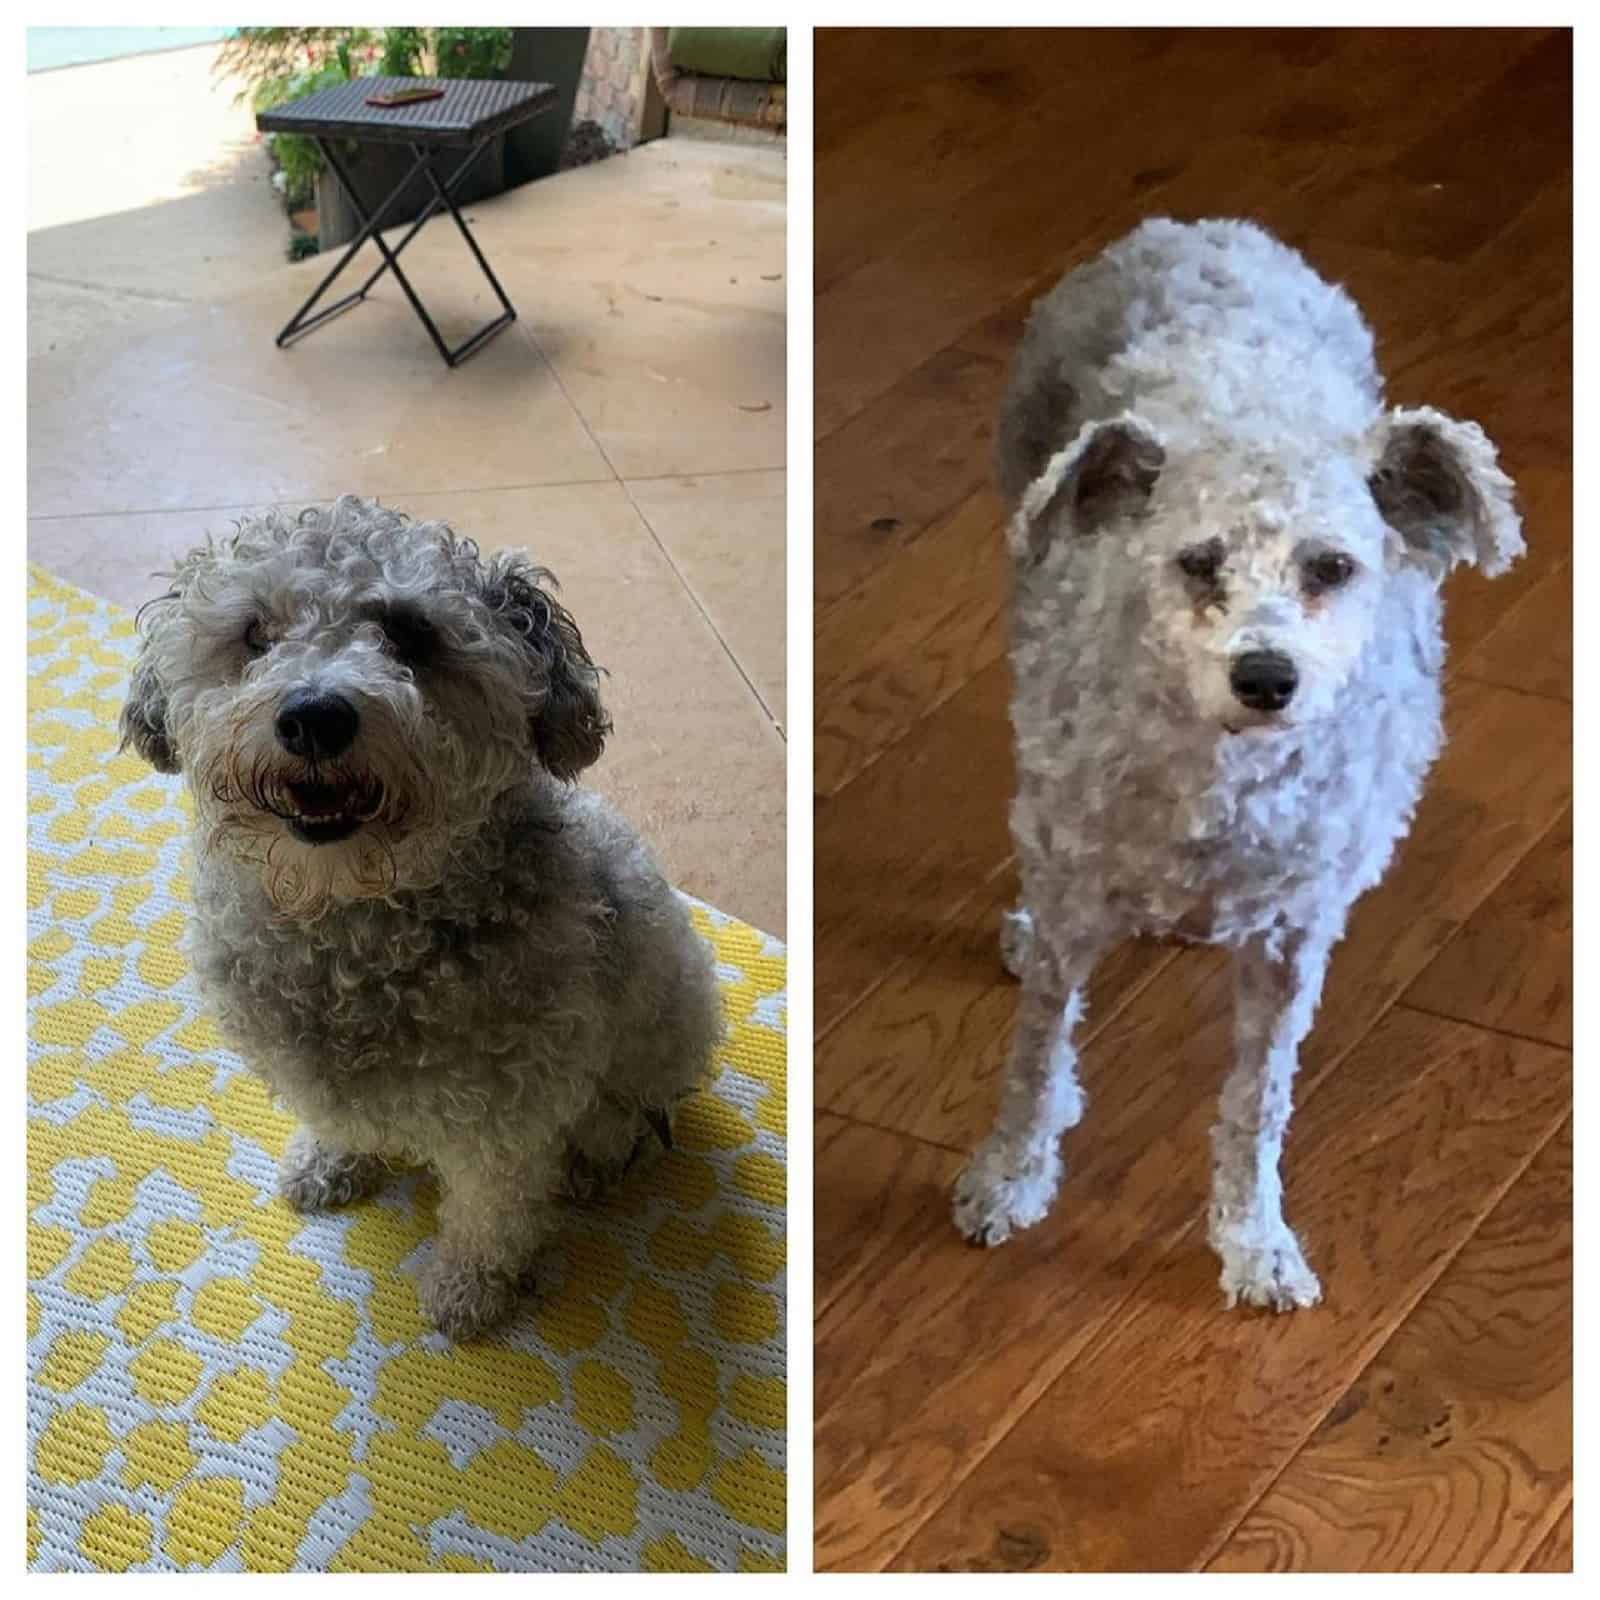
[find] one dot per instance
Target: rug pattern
(216, 1383)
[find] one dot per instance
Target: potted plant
(544, 55)
(375, 169)
(283, 64)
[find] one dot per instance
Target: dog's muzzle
(317, 727)
(1263, 680)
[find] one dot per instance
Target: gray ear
(1439, 486)
(1106, 473)
(144, 717)
(568, 725)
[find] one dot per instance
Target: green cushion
(755, 53)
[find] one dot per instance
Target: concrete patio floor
(628, 430)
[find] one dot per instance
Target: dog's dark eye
(1328, 570)
(410, 634)
(1201, 561)
(255, 638)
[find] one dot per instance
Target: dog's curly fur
(1201, 469)
(430, 944)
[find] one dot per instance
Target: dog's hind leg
(1274, 999)
(608, 1140)
(1012, 1177)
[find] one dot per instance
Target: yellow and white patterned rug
(217, 1383)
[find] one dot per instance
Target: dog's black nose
(1264, 680)
(316, 726)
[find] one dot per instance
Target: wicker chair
(746, 102)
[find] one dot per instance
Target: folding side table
(469, 113)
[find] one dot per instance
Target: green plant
(276, 65)
(472, 52)
(258, 56)
(402, 52)
(297, 156)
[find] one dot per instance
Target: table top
(469, 110)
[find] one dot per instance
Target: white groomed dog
(1226, 655)
(429, 943)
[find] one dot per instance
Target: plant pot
(376, 168)
(544, 55)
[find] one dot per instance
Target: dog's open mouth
(325, 813)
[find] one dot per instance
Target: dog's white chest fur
(1132, 811)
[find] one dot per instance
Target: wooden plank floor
(1079, 1399)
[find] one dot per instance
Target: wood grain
(1448, 1453)
(890, 651)
(882, 1189)
(1510, 966)
(902, 845)
(1177, 1418)
(908, 459)
(1555, 1551)
(958, 174)
(930, 1357)
(1531, 648)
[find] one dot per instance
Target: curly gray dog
(429, 943)
(1226, 654)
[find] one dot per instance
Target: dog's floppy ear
(1439, 486)
(568, 725)
(1106, 472)
(144, 715)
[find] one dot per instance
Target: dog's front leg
(1274, 999)
(1012, 1177)
(495, 1216)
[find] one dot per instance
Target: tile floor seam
(685, 477)
(279, 502)
(694, 599)
(175, 303)
(531, 338)
(699, 605)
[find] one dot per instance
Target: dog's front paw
(312, 1177)
(1001, 1191)
(463, 1298)
(1266, 1268)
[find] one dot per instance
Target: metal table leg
(300, 323)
